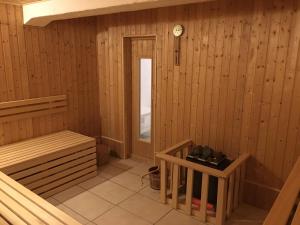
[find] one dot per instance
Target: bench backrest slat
(29, 108)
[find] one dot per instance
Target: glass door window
(145, 98)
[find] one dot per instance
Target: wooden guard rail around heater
(286, 208)
(19, 206)
(230, 183)
(29, 108)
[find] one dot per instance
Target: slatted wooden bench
(20, 206)
(49, 164)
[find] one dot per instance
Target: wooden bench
(19, 206)
(49, 164)
(286, 208)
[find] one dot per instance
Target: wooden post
(175, 186)
(221, 201)
(204, 195)
(163, 181)
(242, 181)
(189, 191)
(230, 195)
(237, 188)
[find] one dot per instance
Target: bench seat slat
(37, 206)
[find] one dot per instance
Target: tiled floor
(117, 196)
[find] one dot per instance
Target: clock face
(178, 30)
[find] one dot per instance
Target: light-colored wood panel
(43, 62)
(227, 91)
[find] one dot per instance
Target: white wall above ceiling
(44, 12)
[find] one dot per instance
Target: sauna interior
(165, 112)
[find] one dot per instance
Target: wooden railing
(177, 172)
(286, 208)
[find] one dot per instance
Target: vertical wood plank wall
(237, 88)
(38, 62)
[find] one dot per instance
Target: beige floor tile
(116, 162)
(177, 218)
(119, 216)
(53, 201)
(88, 205)
(68, 194)
(130, 181)
(92, 182)
(151, 193)
(108, 171)
(141, 169)
(111, 192)
(126, 163)
(73, 214)
(145, 208)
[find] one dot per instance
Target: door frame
(127, 111)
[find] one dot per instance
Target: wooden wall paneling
(209, 73)
(159, 81)
(182, 76)
(241, 80)
(294, 120)
(195, 65)
(233, 76)
(203, 45)
(40, 62)
(121, 90)
(233, 90)
(267, 92)
(45, 77)
(287, 88)
(217, 68)
(258, 85)
(192, 17)
(16, 68)
(175, 85)
(251, 74)
(185, 76)
(7, 60)
(3, 87)
(278, 79)
(163, 14)
(224, 75)
(23, 67)
(171, 72)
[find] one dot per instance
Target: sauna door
(143, 50)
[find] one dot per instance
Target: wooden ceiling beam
(42, 13)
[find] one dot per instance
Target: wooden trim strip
(177, 147)
(32, 101)
(191, 165)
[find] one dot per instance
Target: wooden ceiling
(19, 2)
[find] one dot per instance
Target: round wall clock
(178, 30)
